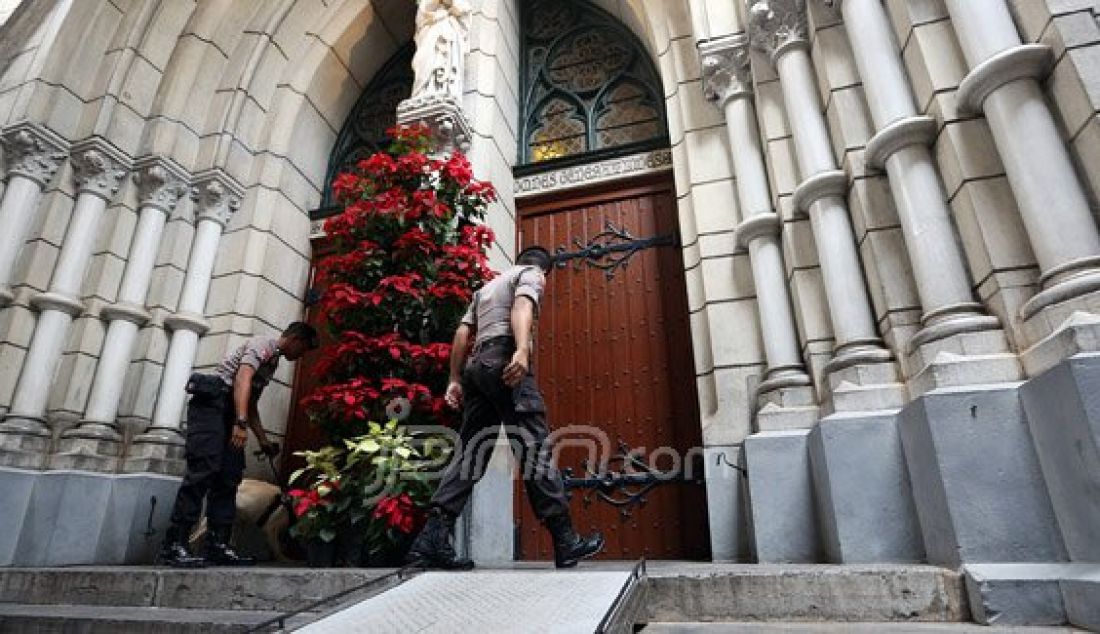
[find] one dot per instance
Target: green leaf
(327, 534)
(297, 474)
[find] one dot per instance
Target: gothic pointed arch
(364, 131)
(588, 87)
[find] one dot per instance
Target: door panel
(614, 355)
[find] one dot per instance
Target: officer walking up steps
(222, 408)
(496, 385)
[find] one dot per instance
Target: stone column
(98, 169)
(160, 448)
(1004, 84)
(901, 147)
(778, 28)
(32, 153)
(786, 398)
(93, 445)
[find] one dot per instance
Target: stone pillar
(93, 445)
(785, 397)
(1003, 83)
(32, 153)
(160, 448)
(98, 169)
(901, 147)
(778, 28)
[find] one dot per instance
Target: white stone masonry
(159, 448)
(786, 395)
(901, 147)
(98, 169)
(94, 443)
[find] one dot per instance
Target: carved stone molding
(1028, 61)
(59, 302)
(777, 25)
(818, 186)
(32, 151)
(758, 225)
(187, 321)
(450, 131)
(98, 167)
(126, 311)
(217, 196)
(899, 134)
(161, 182)
(591, 173)
(727, 73)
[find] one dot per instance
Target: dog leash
(283, 499)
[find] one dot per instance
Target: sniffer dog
(261, 510)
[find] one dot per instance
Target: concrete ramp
(492, 602)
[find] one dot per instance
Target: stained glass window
(589, 86)
(364, 131)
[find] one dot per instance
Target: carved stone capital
(777, 25)
(450, 131)
(32, 151)
(727, 73)
(161, 182)
(217, 195)
(98, 167)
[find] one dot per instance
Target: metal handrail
(280, 621)
(635, 578)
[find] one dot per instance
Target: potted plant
(364, 501)
(319, 505)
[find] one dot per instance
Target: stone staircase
(676, 597)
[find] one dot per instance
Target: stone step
(821, 627)
(96, 619)
(1035, 593)
(279, 589)
(675, 592)
(695, 592)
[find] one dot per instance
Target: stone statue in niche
(442, 40)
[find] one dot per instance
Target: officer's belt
(500, 341)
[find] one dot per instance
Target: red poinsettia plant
(408, 254)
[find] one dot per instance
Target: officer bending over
(223, 407)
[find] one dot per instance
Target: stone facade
(893, 202)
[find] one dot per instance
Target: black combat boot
(220, 553)
(569, 547)
(432, 547)
(173, 552)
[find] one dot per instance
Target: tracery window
(588, 85)
(364, 131)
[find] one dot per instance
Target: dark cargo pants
(487, 403)
(214, 468)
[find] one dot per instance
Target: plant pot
(321, 554)
(392, 555)
(349, 547)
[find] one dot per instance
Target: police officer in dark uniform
(496, 385)
(223, 407)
